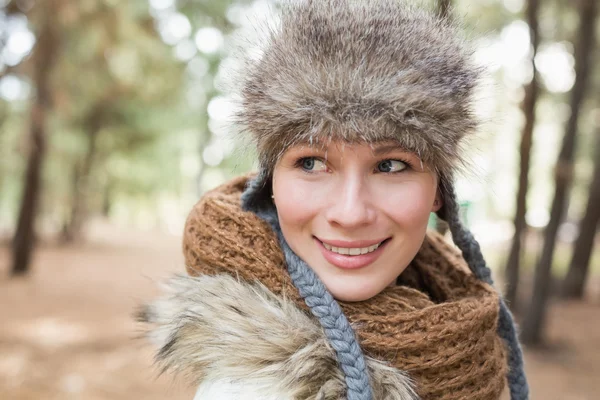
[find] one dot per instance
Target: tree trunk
(81, 182)
(67, 235)
(574, 283)
(533, 325)
(531, 95)
(3, 117)
(45, 55)
(444, 7)
(107, 194)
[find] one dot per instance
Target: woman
(316, 278)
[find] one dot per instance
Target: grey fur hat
(366, 71)
(362, 71)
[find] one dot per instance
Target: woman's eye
(312, 164)
(391, 166)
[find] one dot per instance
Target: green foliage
(12, 158)
(124, 86)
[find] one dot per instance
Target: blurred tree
(93, 123)
(211, 23)
(128, 69)
(3, 116)
(444, 7)
(575, 280)
(533, 324)
(116, 90)
(46, 17)
(208, 14)
(7, 10)
(4, 110)
(528, 107)
(10, 9)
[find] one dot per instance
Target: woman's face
(357, 214)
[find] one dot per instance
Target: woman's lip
(354, 244)
(351, 262)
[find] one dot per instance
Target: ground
(67, 331)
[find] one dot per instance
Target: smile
(351, 255)
(352, 251)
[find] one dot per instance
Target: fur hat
(359, 71)
(366, 71)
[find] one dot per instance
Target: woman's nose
(351, 205)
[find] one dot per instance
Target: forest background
(115, 117)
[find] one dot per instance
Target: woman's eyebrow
(384, 149)
(306, 147)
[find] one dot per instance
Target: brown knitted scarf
(438, 324)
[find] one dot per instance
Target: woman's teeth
(355, 251)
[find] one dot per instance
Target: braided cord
(322, 305)
(337, 328)
(331, 317)
(519, 389)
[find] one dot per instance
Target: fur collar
(244, 342)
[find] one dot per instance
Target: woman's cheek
(409, 204)
(297, 200)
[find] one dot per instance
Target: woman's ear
(437, 203)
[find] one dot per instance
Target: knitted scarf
(438, 323)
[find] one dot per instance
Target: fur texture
(227, 334)
(372, 71)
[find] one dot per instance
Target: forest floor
(67, 331)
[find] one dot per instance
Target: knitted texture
(438, 324)
(519, 389)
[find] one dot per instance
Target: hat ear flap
(462, 237)
(257, 195)
(472, 254)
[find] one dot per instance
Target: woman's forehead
(377, 147)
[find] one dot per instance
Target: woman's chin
(349, 291)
